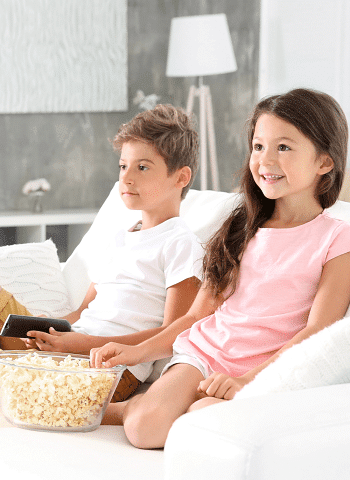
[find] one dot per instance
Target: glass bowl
(55, 391)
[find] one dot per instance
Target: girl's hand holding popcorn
(113, 354)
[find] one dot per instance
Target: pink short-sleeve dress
(278, 279)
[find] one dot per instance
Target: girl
(276, 272)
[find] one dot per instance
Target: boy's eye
(283, 148)
(122, 167)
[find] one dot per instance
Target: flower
(38, 185)
(146, 102)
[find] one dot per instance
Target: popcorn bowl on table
(54, 391)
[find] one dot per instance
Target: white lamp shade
(200, 45)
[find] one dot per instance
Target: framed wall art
(63, 56)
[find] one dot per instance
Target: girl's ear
(326, 164)
(184, 176)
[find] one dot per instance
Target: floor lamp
(199, 46)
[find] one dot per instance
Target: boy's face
(144, 183)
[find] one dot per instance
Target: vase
(37, 206)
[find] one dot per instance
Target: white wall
(306, 43)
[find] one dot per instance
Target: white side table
(31, 227)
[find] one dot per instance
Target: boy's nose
(127, 177)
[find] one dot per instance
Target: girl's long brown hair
(320, 118)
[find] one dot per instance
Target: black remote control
(19, 325)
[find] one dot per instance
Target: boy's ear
(326, 164)
(184, 176)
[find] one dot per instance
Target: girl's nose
(267, 159)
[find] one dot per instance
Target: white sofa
(295, 435)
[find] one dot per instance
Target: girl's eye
(122, 167)
(257, 147)
(143, 168)
(283, 148)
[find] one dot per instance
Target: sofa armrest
(289, 435)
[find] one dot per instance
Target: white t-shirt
(132, 282)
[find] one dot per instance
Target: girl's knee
(148, 418)
(146, 427)
(136, 426)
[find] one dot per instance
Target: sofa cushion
(104, 453)
(320, 360)
(32, 273)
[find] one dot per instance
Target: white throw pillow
(32, 273)
(320, 360)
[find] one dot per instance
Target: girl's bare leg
(148, 417)
(204, 402)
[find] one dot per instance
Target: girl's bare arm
(330, 304)
(159, 345)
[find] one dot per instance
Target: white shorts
(180, 356)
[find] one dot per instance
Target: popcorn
(64, 396)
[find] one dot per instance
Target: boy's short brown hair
(171, 131)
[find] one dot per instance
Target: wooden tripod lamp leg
(195, 92)
(206, 126)
(190, 99)
(211, 141)
(203, 136)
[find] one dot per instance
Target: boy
(150, 273)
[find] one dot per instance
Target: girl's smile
(269, 178)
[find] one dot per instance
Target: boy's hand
(223, 386)
(29, 343)
(68, 342)
(115, 354)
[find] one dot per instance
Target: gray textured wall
(73, 151)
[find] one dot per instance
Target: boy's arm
(179, 298)
(89, 297)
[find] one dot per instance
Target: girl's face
(284, 162)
